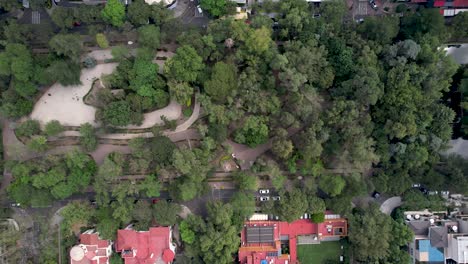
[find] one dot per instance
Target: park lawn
(316, 254)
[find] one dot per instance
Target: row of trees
(37, 182)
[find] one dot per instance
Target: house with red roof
(447, 8)
(91, 250)
(275, 242)
(146, 247)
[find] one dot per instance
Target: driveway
(390, 204)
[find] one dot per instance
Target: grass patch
(318, 254)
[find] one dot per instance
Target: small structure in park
(91, 250)
(267, 241)
(146, 247)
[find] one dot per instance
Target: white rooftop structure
(458, 249)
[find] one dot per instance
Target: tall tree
(185, 66)
(114, 13)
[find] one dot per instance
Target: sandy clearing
(65, 104)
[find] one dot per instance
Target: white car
(264, 191)
(264, 198)
(276, 198)
(199, 9)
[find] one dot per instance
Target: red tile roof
(253, 253)
(145, 247)
(456, 3)
(92, 250)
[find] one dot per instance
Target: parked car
(416, 185)
(199, 9)
(276, 198)
(155, 200)
(373, 4)
(264, 198)
(433, 192)
(264, 191)
(376, 195)
(15, 204)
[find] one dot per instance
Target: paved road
(390, 204)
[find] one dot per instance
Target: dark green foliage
(165, 213)
(317, 218)
(119, 113)
(253, 132)
(52, 128)
(184, 66)
(65, 72)
(37, 182)
(28, 128)
(88, 137)
(162, 150)
(149, 36)
(114, 13)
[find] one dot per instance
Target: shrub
(88, 137)
(187, 112)
(317, 218)
(102, 41)
(89, 62)
(52, 128)
(38, 143)
(28, 128)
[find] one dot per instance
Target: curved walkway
(390, 204)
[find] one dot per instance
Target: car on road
(15, 204)
(199, 9)
(276, 198)
(155, 200)
(373, 4)
(263, 191)
(416, 185)
(264, 198)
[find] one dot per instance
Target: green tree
(184, 66)
(142, 214)
(187, 235)
(181, 91)
(162, 150)
(75, 215)
(316, 205)
(166, 213)
(63, 17)
(245, 181)
(370, 234)
(282, 146)
(66, 72)
(88, 137)
(114, 13)
(139, 12)
(101, 40)
(317, 217)
(215, 7)
(120, 52)
(28, 128)
(381, 30)
(149, 36)
(119, 113)
(150, 186)
(223, 82)
(253, 132)
(459, 25)
(291, 213)
(333, 185)
(243, 205)
(38, 143)
(52, 128)
(67, 45)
